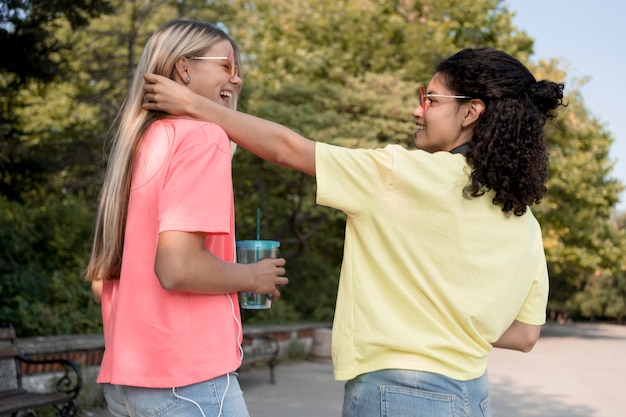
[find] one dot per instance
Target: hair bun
(547, 96)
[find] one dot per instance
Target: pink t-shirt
(182, 180)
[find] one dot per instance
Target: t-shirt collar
(462, 149)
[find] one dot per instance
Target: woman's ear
(181, 70)
(474, 109)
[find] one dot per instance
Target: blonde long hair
(171, 41)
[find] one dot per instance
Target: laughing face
(213, 74)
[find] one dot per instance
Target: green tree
(31, 49)
(343, 72)
(41, 263)
(57, 114)
(48, 168)
(583, 243)
(43, 227)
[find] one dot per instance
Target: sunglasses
(231, 67)
(424, 98)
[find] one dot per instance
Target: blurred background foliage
(339, 71)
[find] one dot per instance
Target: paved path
(573, 371)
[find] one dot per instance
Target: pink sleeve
(197, 191)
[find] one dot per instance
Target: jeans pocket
(485, 406)
(149, 401)
(409, 402)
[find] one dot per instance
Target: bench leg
(68, 409)
(272, 364)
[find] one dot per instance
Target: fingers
(149, 104)
(281, 282)
(273, 290)
(276, 265)
(149, 85)
(279, 279)
(271, 275)
(279, 261)
(150, 78)
(275, 295)
(149, 92)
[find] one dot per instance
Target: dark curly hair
(507, 153)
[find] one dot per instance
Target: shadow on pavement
(583, 331)
(509, 399)
(302, 389)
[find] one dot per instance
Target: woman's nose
(236, 79)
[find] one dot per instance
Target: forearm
(202, 272)
(519, 336)
(183, 264)
(271, 141)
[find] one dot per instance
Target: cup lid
(257, 244)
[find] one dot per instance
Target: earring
(187, 79)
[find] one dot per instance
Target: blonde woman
(163, 258)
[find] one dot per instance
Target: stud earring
(187, 79)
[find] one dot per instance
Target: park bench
(15, 398)
(259, 348)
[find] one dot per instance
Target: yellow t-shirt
(429, 278)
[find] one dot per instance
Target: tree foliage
(32, 51)
(339, 71)
(41, 262)
(584, 243)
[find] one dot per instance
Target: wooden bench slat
(23, 400)
(8, 351)
(12, 393)
(248, 360)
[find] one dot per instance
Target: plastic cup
(251, 251)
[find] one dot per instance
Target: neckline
(462, 149)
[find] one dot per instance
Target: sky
(589, 38)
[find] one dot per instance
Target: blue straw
(258, 233)
(258, 224)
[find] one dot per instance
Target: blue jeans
(220, 396)
(404, 393)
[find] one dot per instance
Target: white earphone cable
(240, 331)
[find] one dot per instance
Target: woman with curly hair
(443, 258)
